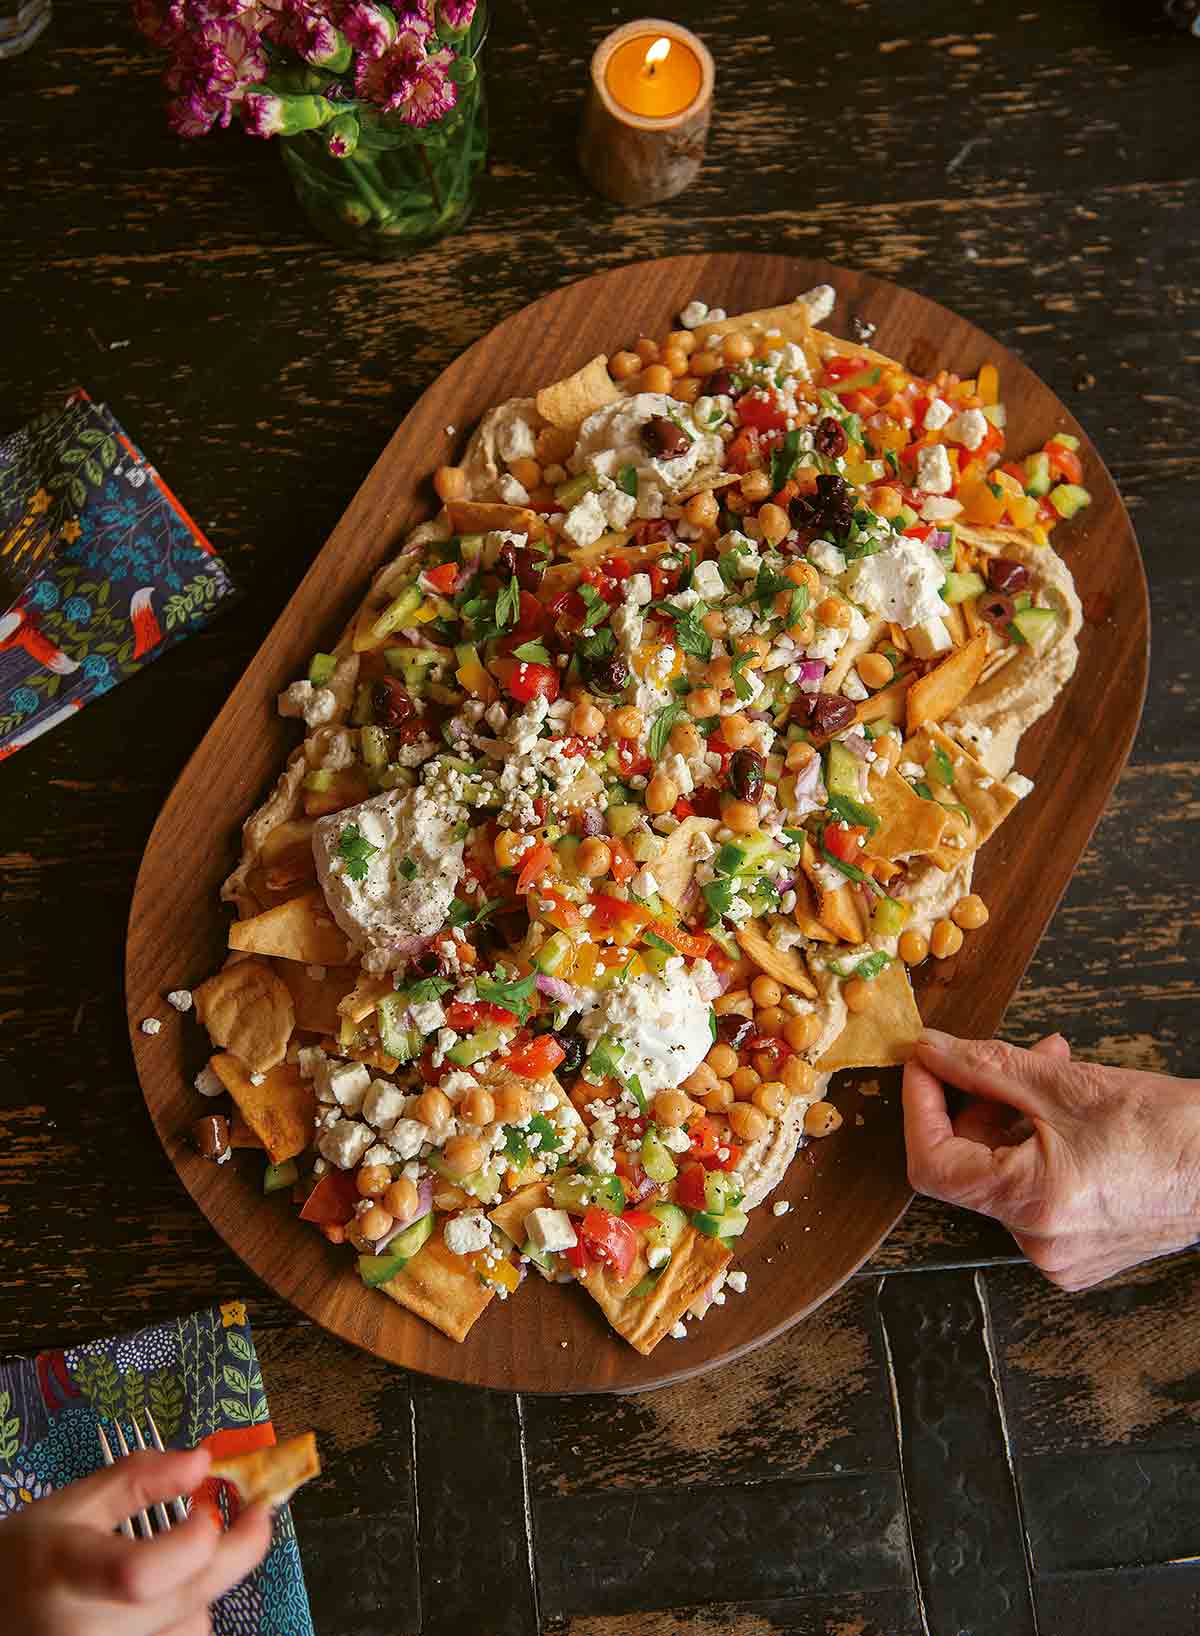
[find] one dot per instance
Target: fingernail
(936, 1040)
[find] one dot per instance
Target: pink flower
(387, 80)
(153, 19)
(457, 14)
(368, 29)
(262, 113)
(191, 115)
(432, 94)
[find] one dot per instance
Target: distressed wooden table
(950, 1444)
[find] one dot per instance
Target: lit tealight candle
(645, 123)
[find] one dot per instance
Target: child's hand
(64, 1572)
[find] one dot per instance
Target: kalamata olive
(663, 438)
(719, 384)
(607, 674)
(746, 775)
(431, 964)
(512, 559)
(1007, 576)
(830, 713)
(574, 1051)
(997, 610)
(390, 702)
(210, 1135)
(830, 510)
(829, 439)
(733, 1029)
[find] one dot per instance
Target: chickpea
(687, 388)
(765, 1062)
(756, 485)
(675, 360)
(594, 858)
(462, 1155)
(702, 510)
(623, 364)
(875, 670)
(887, 746)
(554, 443)
(749, 526)
(646, 349)
(373, 1223)
(714, 622)
(372, 1180)
(803, 573)
(834, 613)
(401, 1198)
(945, 939)
(735, 504)
(798, 755)
(450, 483)
(821, 1119)
(683, 339)
(723, 1060)
(757, 647)
(886, 502)
(719, 672)
(799, 1077)
(703, 702)
(704, 363)
(735, 349)
(913, 948)
(671, 1108)
(625, 722)
(740, 816)
(656, 378)
(736, 1001)
(514, 1104)
(745, 1082)
(527, 472)
(554, 474)
(478, 1106)
(720, 1098)
(857, 994)
(685, 739)
(433, 1107)
(803, 631)
(970, 913)
(772, 1098)
(747, 1122)
(770, 1020)
(774, 522)
(737, 731)
(661, 794)
(766, 991)
(586, 720)
(801, 1032)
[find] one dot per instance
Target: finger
(990, 1123)
(950, 1167)
(134, 1482)
(1055, 1046)
(1028, 1080)
(136, 1572)
(239, 1550)
(198, 1625)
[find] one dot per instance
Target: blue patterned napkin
(200, 1378)
(130, 572)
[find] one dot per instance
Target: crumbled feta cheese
(675, 1139)
(180, 998)
(408, 1136)
(853, 687)
(585, 522)
(911, 770)
(657, 1257)
(736, 1281)
(707, 580)
(208, 1083)
(694, 314)
(151, 1025)
(934, 475)
(427, 1015)
(643, 884)
(823, 554)
(780, 1207)
(937, 415)
(467, 1233)
(344, 1142)
(929, 638)
(457, 1083)
(639, 590)
(1018, 784)
(679, 1331)
(383, 1104)
(512, 492)
(316, 705)
(969, 428)
(820, 302)
(902, 583)
(550, 1230)
(602, 1157)
(349, 1082)
(514, 436)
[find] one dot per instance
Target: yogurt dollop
(660, 1022)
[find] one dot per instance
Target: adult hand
(1091, 1169)
(66, 1573)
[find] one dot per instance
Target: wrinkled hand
(1091, 1169)
(65, 1573)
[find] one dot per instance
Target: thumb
(1029, 1081)
(1053, 1046)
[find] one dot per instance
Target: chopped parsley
(514, 994)
(784, 460)
(627, 479)
(853, 812)
(508, 604)
(427, 988)
(939, 769)
(464, 914)
(407, 868)
(740, 684)
(690, 634)
(797, 607)
(598, 643)
(597, 608)
(656, 742)
(532, 653)
(356, 853)
(768, 586)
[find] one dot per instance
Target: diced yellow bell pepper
(474, 679)
(1023, 511)
(989, 384)
(498, 1272)
(980, 505)
(426, 612)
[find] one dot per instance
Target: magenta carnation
(432, 94)
(190, 115)
(457, 14)
(368, 29)
(262, 113)
(388, 80)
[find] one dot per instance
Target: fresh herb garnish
(797, 607)
(718, 895)
(890, 456)
(691, 636)
(783, 460)
(939, 769)
(514, 994)
(627, 479)
(923, 790)
(741, 685)
(598, 643)
(603, 1058)
(597, 608)
(427, 988)
(634, 1086)
(660, 733)
(532, 653)
(463, 914)
(851, 870)
(355, 852)
(684, 582)
(866, 969)
(407, 868)
(768, 586)
(508, 604)
(656, 942)
(853, 812)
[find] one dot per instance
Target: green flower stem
(356, 169)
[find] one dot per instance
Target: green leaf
(628, 480)
(551, 1136)
(71, 457)
(656, 942)
(939, 769)
(598, 643)
(797, 607)
(93, 471)
(767, 587)
(239, 1345)
(356, 852)
(234, 1379)
(783, 460)
(508, 604)
(406, 868)
(532, 653)
(233, 1410)
(429, 988)
(740, 685)
(853, 812)
(660, 733)
(691, 636)
(597, 607)
(78, 492)
(166, 1402)
(514, 995)
(867, 969)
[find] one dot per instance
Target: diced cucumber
(554, 954)
(363, 709)
(416, 666)
(576, 1193)
(843, 772)
(565, 849)
(671, 1223)
(888, 917)
(905, 518)
(321, 668)
(622, 818)
(729, 1225)
(719, 1189)
(1035, 625)
(279, 1176)
(398, 1040)
(729, 859)
(645, 847)
(319, 780)
(375, 747)
(962, 587)
(647, 1284)
(1037, 474)
(1068, 498)
(398, 612)
(573, 490)
(544, 1259)
(1067, 439)
(378, 1269)
(1022, 600)
(656, 1158)
(395, 777)
(480, 1044)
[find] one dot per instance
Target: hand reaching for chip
(1091, 1169)
(66, 1573)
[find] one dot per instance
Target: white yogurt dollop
(611, 439)
(662, 1024)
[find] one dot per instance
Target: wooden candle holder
(632, 158)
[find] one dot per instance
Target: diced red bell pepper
(617, 567)
(841, 369)
(695, 945)
(843, 843)
(702, 803)
(641, 1219)
(733, 1153)
(562, 912)
(761, 411)
(742, 453)
(443, 578)
(532, 681)
(332, 1201)
(623, 865)
(1065, 462)
(631, 762)
(689, 1187)
(464, 1016)
(702, 1134)
(717, 745)
(662, 581)
(531, 618)
(918, 531)
(609, 913)
(609, 1240)
(859, 402)
(534, 864)
(537, 1059)
(576, 1256)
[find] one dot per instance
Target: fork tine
(142, 1516)
(178, 1505)
(106, 1451)
(160, 1510)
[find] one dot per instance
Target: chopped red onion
(424, 1206)
(556, 989)
(811, 670)
(939, 539)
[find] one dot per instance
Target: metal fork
(178, 1504)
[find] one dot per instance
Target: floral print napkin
(200, 1379)
(129, 574)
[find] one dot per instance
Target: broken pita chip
(784, 965)
(882, 1035)
(240, 1134)
(365, 996)
(248, 1009)
(676, 863)
(300, 929)
(842, 911)
(316, 998)
(789, 323)
(644, 1320)
(272, 1475)
(512, 1215)
(441, 1287)
(485, 516)
(567, 403)
(371, 1056)
(986, 799)
(907, 824)
(851, 652)
(886, 705)
(941, 690)
(280, 1110)
(805, 912)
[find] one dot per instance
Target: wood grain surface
(1033, 169)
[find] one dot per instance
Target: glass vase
(403, 185)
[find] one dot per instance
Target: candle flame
(656, 53)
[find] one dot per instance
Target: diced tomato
(689, 1188)
(702, 803)
(608, 911)
(843, 843)
(718, 746)
(918, 531)
(429, 1074)
(632, 1127)
(617, 567)
(609, 1240)
(623, 865)
(733, 1153)
(465, 1016)
(576, 1255)
(859, 402)
(533, 682)
(333, 1200)
(1046, 514)
(562, 912)
(702, 1134)
(603, 583)
(535, 863)
(1065, 462)
(631, 762)
(742, 453)
(662, 581)
(568, 606)
(841, 369)
(537, 1059)
(695, 945)
(641, 1219)
(443, 578)
(761, 411)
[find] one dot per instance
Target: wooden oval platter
(846, 1193)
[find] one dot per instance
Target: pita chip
(644, 1320)
(484, 516)
(907, 824)
(784, 965)
(941, 690)
(883, 1035)
(272, 1475)
(315, 999)
(279, 1110)
(986, 799)
(676, 863)
(300, 929)
(249, 1010)
(441, 1287)
(567, 403)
